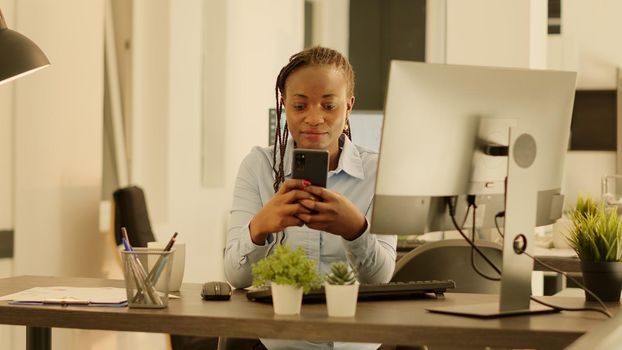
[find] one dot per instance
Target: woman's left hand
(334, 214)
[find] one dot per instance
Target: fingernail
(306, 183)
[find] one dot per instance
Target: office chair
(130, 211)
(451, 260)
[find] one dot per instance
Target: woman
(316, 88)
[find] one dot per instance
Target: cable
(452, 214)
(603, 308)
(466, 216)
(500, 214)
(471, 202)
(602, 311)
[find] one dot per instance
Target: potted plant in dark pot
(290, 273)
(596, 237)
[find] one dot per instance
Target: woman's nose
(314, 117)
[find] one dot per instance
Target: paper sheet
(70, 295)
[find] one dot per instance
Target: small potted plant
(596, 237)
(289, 273)
(341, 290)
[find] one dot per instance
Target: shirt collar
(349, 161)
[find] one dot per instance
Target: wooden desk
(391, 322)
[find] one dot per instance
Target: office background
(198, 85)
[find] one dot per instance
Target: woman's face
(316, 105)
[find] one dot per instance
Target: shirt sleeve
(373, 256)
(240, 251)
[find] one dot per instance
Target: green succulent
(286, 267)
(340, 273)
(596, 234)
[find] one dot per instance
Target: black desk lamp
(18, 54)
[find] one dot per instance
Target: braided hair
(315, 56)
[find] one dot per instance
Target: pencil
(154, 274)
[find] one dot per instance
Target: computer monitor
(445, 131)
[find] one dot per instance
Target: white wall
(584, 171)
(588, 44)
(496, 33)
(331, 21)
(260, 37)
(58, 137)
(6, 165)
(57, 146)
(149, 157)
(6, 139)
(590, 41)
(6, 156)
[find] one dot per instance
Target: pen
(127, 246)
(65, 301)
(127, 238)
(170, 242)
(159, 265)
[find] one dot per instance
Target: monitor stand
(520, 218)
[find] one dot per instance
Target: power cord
(452, 213)
(500, 214)
(471, 203)
(603, 310)
(466, 216)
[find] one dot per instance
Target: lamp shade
(18, 54)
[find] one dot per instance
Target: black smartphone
(311, 165)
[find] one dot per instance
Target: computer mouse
(216, 290)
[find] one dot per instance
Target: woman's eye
(299, 107)
(330, 106)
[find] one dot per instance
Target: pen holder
(141, 277)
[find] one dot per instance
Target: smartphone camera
(300, 162)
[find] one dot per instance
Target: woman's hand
(333, 213)
(281, 211)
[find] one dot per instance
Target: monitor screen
(444, 131)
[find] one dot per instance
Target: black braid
(312, 56)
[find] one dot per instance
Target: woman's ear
(350, 105)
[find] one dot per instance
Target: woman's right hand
(281, 211)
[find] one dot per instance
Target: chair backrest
(131, 213)
(451, 260)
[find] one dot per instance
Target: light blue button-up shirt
(373, 256)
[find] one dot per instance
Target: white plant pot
(286, 299)
(341, 299)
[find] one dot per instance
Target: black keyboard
(380, 291)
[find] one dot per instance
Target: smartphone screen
(310, 165)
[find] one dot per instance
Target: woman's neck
(336, 153)
(333, 161)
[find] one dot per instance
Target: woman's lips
(313, 135)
